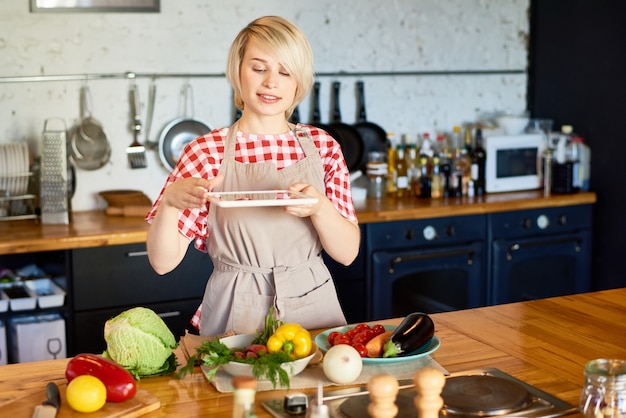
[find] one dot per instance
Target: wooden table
(545, 343)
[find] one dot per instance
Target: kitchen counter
(545, 343)
(95, 228)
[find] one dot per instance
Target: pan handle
(336, 110)
(186, 95)
(360, 90)
(317, 117)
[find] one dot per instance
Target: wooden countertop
(545, 343)
(95, 228)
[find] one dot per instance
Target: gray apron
(264, 257)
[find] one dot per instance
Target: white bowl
(234, 368)
(512, 124)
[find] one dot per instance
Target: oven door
(540, 267)
(428, 280)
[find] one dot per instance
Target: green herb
(215, 350)
(270, 325)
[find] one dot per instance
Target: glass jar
(604, 393)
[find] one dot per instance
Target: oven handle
(443, 254)
(534, 244)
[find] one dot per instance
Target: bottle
(425, 179)
(478, 157)
(412, 163)
(391, 164)
(604, 391)
(584, 157)
(244, 393)
(436, 191)
(402, 175)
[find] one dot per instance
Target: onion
(342, 364)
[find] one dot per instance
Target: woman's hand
(189, 192)
(303, 211)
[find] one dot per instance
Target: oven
(540, 253)
(426, 265)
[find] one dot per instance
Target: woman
(262, 256)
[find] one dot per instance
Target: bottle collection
(450, 165)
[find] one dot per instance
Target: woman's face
(267, 88)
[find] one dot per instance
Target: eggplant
(413, 332)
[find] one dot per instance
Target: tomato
(362, 327)
(342, 339)
(332, 336)
(351, 333)
(378, 329)
(364, 336)
(120, 384)
(360, 348)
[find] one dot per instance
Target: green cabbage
(139, 341)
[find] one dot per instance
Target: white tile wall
(193, 37)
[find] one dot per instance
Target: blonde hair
(284, 39)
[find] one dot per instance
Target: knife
(50, 407)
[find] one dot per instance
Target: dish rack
(17, 207)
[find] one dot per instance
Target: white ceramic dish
(257, 198)
(233, 368)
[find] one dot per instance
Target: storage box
(13, 290)
(40, 337)
(3, 344)
(4, 301)
(48, 293)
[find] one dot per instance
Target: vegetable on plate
(120, 384)
(413, 332)
(291, 339)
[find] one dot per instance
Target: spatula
(136, 152)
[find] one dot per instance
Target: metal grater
(53, 176)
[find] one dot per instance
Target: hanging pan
(181, 131)
(351, 142)
(374, 137)
(316, 117)
(89, 148)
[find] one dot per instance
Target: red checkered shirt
(203, 156)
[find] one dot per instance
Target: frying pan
(317, 116)
(181, 131)
(374, 137)
(89, 147)
(350, 138)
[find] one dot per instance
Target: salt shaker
(604, 392)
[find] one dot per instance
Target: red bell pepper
(120, 384)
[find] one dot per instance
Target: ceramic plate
(430, 347)
(260, 198)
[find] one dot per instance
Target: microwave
(513, 162)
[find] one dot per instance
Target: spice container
(604, 392)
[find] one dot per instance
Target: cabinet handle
(443, 254)
(170, 314)
(137, 254)
(517, 247)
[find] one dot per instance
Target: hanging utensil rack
(131, 75)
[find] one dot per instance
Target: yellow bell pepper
(292, 339)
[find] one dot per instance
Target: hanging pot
(373, 136)
(181, 131)
(89, 147)
(351, 142)
(316, 119)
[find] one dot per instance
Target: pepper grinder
(383, 389)
(429, 383)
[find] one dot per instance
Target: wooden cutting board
(142, 403)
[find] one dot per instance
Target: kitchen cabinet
(108, 280)
(459, 262)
